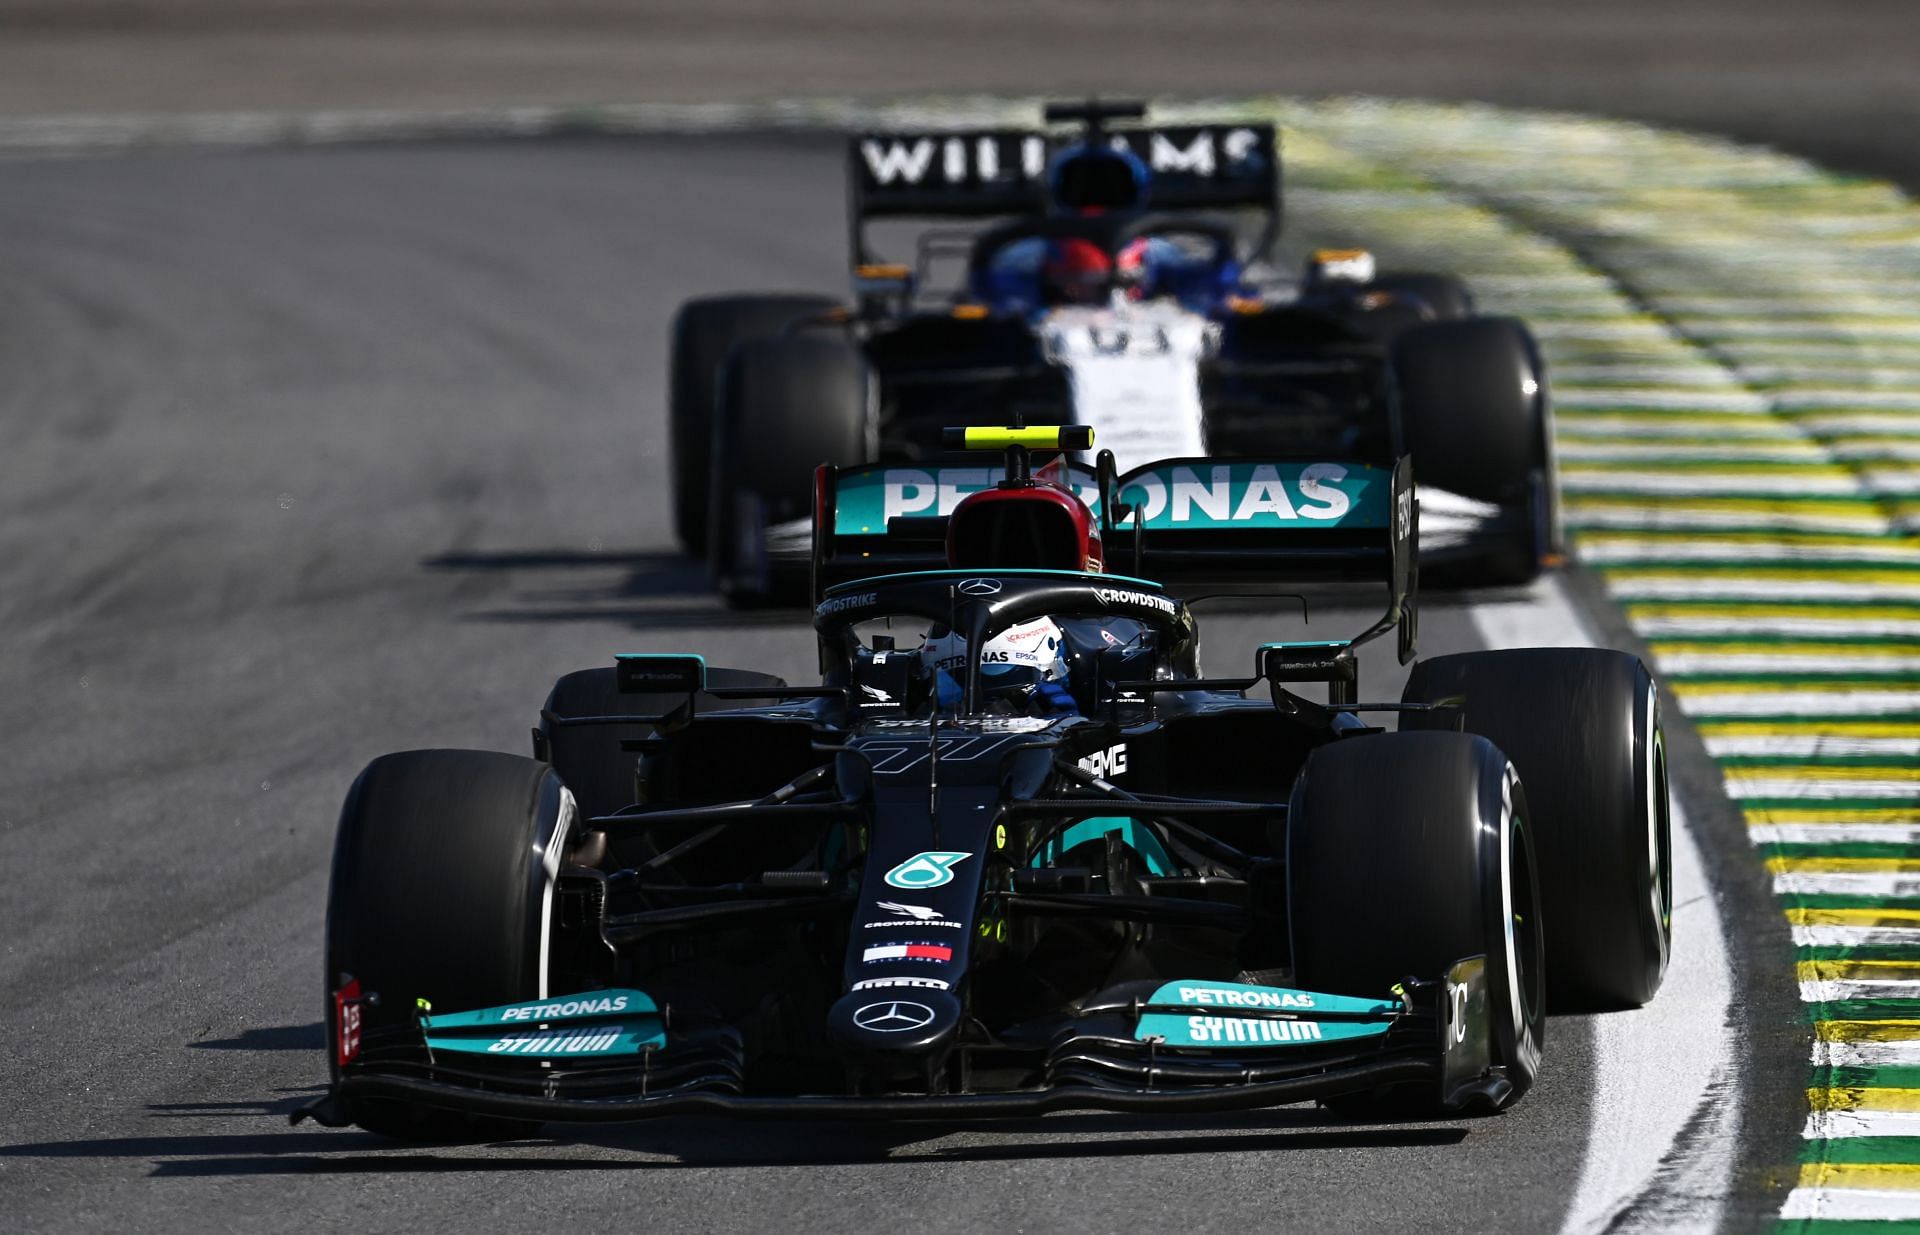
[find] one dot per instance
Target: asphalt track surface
(316, 455)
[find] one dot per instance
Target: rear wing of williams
(982, 173)
(1213, 526)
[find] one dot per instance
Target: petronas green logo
(926, 870)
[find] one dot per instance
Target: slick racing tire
(1407, 853)
(1475, 414)
(787, 405)
(440, 891)
(1441, 297)
(588, 757)
(1583, 727)
(705, 331)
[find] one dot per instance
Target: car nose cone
(883, 1022)
(899, 1016)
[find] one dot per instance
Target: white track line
(1813, 746)
(1901, 1053)
(1889, 885)
(1654, 1067)
(1822, 1125)
(1836, 834)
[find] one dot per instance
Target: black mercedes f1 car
(1014, 853)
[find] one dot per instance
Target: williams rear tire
(786, 406)
(1442, 297)
(1476, 417)
(705, 332)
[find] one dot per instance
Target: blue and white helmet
(1037, 647)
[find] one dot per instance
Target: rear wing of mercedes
(889, 518)
(1247, 526)
(982, 173)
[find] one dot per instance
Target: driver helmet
(1075, 271)
(1137, 269)
(1030, 654)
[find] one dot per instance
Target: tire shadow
(644, 591)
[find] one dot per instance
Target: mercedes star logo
(979, 587)
(896, 1017)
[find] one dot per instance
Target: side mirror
(638, 673)
(1331, 662)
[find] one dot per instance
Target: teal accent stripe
(1133, 834)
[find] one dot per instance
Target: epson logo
(573, 1007)
(1403, 514)
(1119, 596)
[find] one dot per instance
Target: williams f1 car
(1015, 852)
(1101, 278)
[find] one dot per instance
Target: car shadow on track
(308, 1037)
(646, 591)
(698, 1143)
